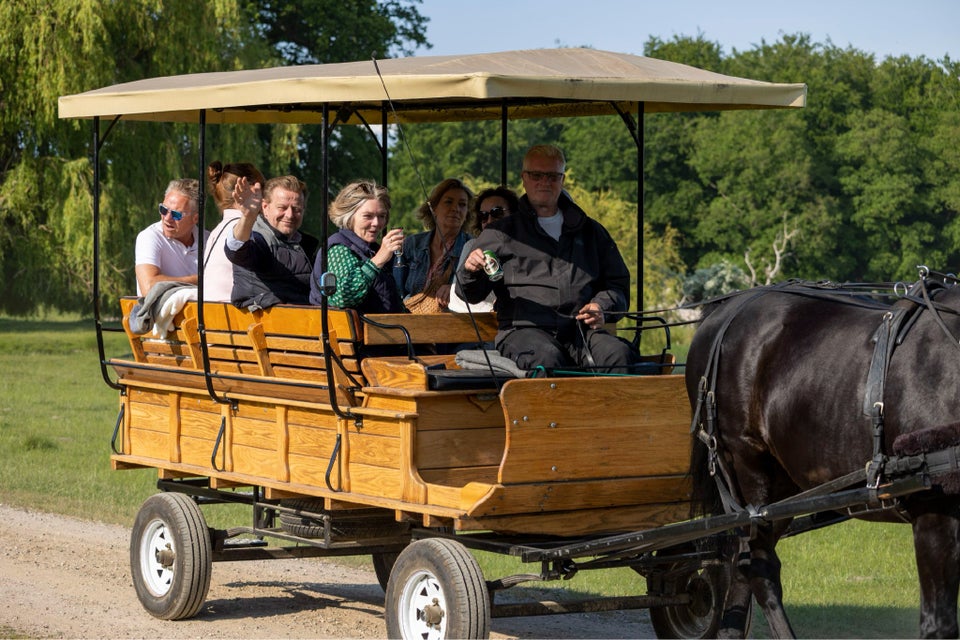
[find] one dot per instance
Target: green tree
(759, 172)
(59, 47)
(48, 49)
(858, 182)
(882, 177)
(423, 155)
(602, 153)
(321, 32)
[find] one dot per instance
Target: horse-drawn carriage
(416, 459)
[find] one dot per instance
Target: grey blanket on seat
(477, 359)
(149, 309)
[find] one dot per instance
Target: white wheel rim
(418, 592)
(155, 540)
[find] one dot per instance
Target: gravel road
(61, 577)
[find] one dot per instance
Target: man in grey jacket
(272, 260)
(562, 275)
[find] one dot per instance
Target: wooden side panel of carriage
(588, 455)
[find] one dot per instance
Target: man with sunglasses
(563, 277)
(166, 251)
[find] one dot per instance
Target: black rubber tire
(442, 570)
(383, 564)
(707, 586)
(170, 556)
(348, 524)
(297, 524)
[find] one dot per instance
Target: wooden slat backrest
(168, 350)
(430, 328)
(281, 342)
(230, 346)
(293, 321)
(285, 339)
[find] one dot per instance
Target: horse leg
(736, 607)
(734, 620)
(937, 546)
(764, 572)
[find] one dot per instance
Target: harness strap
(935, 310)
(891, 333)
(884, 340)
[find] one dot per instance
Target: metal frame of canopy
(507, 85)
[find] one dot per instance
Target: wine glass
(398, 256)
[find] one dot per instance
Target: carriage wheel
(436, 590)
(706, 586)
(170, 556)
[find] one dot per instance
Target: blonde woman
(361, 264)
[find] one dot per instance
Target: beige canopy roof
(534, 83)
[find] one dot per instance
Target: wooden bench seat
(429, 328)
(284, 342)
(281, 343)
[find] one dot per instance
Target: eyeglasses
(177, 215)
(495, 213)
(550, 176)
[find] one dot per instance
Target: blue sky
(882, 27)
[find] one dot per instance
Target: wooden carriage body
(559, 456)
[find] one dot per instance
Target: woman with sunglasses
(491, 205)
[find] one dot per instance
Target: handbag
(426, 300)
(422, 302)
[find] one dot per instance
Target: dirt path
(66, 578)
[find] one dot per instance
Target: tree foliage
(862, 184)
(59, 47)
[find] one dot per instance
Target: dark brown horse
(803, 377)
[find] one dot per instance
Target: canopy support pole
(639, 137)
(635, 127)
(503, 143)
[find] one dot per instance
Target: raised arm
(249, 199)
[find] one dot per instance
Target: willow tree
(50, 48)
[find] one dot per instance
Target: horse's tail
(705, 497)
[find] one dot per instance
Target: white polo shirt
(171, 256)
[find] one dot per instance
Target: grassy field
(854, 580)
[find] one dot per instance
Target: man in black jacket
(272, 260)
(562, 273)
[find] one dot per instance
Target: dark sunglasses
(177, 215)
(552, 177)
(495, 213)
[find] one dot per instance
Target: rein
(439, 233)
